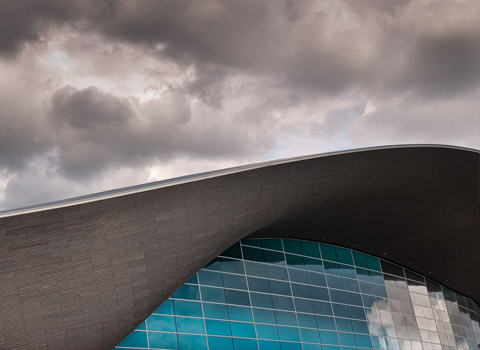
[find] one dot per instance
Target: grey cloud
(443, 65)
(406, 119)
(326, 47)
(22, 134)
(89, 108)
(95, 131)
(26, 21)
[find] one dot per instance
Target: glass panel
(342, 299)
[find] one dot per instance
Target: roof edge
(124, 191)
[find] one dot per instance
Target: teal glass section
(286, 294)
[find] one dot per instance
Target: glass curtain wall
(284, 294)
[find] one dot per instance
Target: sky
(102, 94)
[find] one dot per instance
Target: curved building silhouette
(368, 249)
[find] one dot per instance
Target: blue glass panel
(344, 255)
(292, 246)
(261, 300)
(267, 332)
(295, 261)
(324, 322)
(301, 290)
(253, 254)
(327, 337)
(346, 339)
(166, 308)
(363, 341)
(360, 327)
(303, 305)
(264, 316)
(187, 341)
(310, 249)
(240, 329)
(215, 311)
(239, 313)
(277, 272)
(216, 295)
(328, 252)
(357, 312)
(350, 284)
(306, 320)
(135, 339)
(142, 327)
(317, 279)
(255, 269)
(215, 327)
(286, 318)
(244, 344)
(275, 244)
(288, 333)
(237, 297)
(332, 268)
(344, 324)
(269, 345)
(353, 299)
(190, 325)
(307, 346)
(274, 257)
(340, 310)
(363, 275)
(232, 266)
(338, 296)
(313, 265)
(187, 291)
(347, 271)
(359, 259)
(298, 275)
(234, 281)
(282, 303)
(210, 278)
(222, 343)
(309, 335)
(282, 288)
(322, 308)
(319, 293)
(187, 308)
(161, 323)
(258, 284)
(252, 242)
(290, 346)
(373, 263)
(162, 340)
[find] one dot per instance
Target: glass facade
(284, 294)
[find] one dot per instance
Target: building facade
(286, 294)
(336, 249)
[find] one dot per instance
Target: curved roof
(83, 273)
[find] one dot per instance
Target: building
(374, 248)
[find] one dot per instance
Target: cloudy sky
(100, 94)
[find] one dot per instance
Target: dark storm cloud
(26, 21)
(21, 133)
(304, 44)
(95, 131)
(443, 65)
(89, 108)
